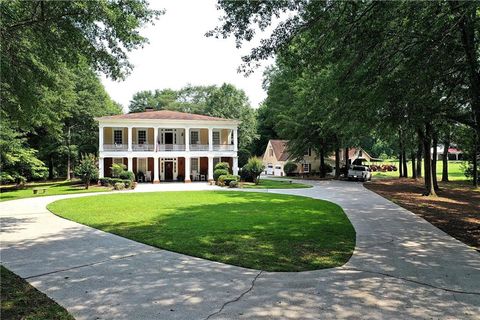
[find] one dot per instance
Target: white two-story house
(167, 145)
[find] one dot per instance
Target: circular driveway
(402, 267)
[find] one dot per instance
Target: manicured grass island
(47, 189)
(255, 230)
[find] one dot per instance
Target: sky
(178, 54)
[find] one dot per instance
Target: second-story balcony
(143, 147)
(223, 147)
(171, 147)
(199, 147)
(115, 147)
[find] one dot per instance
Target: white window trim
(113, 134)
(308, 167)
(191, 165)
(146, 165)
(219, 136)
(198, 134)
(146, 135)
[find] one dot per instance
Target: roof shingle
(162, 115)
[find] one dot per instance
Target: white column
(235, 165)
(130, 164)
(210, 139)
(156, 170)
(155, 138)
(187, 169)
(100, 168)
(100, 138)
(187, 143)
(235, 139)
(129, 137)
(210, 169)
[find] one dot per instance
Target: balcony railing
(223, 147)
(115, 147)
(199, 147)
(143, 147)
(171, 147)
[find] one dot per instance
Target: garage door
(270, 168)
(278, 171)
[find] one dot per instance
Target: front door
(168, 170)
(168, 138)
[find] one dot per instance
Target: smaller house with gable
(276, 155)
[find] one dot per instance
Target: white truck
(359, 172)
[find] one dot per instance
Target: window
(194, 137)
(308, 152)
(118, 160)
(215, 161)
(117, 136)
(142, 165)
(142, 136)
(270, 152)
(194, 164)
(216, 137)
(307, 167)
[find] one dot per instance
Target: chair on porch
(196, 175)
(148, 176)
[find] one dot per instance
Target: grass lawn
(455, 171)
(274, 184)
(53, 188)
(255, 230)
(22, 301)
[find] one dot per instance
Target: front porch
(157, 169)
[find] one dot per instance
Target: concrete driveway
(402, 267)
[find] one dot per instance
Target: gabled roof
(280, 149)
(162, 115)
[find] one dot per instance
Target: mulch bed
(456, 210)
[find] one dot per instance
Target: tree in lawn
(255, 167)
(87, 169)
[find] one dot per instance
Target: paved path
(402, 267)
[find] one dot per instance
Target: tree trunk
(427, 163)
(434, 162)
(68, 155)
(404, 158)
(400, 165)
(446, 145)
(322, 163)
(475, 161)
(337, 163)
(50, 167)
(414, 171)
(419, 158)
(346, 162)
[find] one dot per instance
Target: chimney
(148, 109)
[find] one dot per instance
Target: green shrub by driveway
(255, 230)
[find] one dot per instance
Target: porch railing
(199, 147)
(143, 147)
(171, 147)
(223, 147)
(115, 147)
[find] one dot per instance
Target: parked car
(362, 173)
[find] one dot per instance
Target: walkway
(402, 267)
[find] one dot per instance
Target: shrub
(325, 169)
(117, 169)
(119, 186)
(222, 165)
(87, 169)
(289, 168)
(255, 167)
(105, 181)
(245, 175)
(219, 172)
(227, 178)
(127, 175)
(233, 184)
